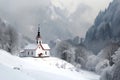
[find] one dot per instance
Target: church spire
(38, 37)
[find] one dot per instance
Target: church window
(32, 53)
(46, 52)
(28, 52)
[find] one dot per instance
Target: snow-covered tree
(116, 56)
(116, 72)
(113, 73)
(81, 55)
(76, 40)
(13, 39)
(69, 55)
(61, 47)
(101, 66)
(8, 37)
(108, 51)
(78, 67)
(106, 74)
(116, 67)
(93, 60)
(65, 51)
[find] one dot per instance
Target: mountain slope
(7, 73)
(106, 28)
(40, 68)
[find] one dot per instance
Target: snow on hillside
(7, 73)
(39, 69)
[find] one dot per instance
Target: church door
(39, 55)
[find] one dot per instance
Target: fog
(55, 16)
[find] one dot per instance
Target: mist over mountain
(26, 18)
(106, 28)
(57, 18)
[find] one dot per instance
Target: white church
(36, 50)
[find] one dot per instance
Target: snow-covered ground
(51, 68)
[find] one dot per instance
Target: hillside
(39, 68)
(106, 28)
(7, 73)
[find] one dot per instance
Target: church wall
(44, 52)
(28, 53)
(38, 51)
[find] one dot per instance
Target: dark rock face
(106, 28)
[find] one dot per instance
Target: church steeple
(38, 37)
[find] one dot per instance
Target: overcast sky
(18, 9)
(95, 6)
(71, 5)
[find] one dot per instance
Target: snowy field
(51, 68)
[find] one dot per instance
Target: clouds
(71, 5)
(86, 11)
(25, 14)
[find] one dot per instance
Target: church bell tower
(38, 37)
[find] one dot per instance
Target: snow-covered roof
(34, 46)
(45, 46)
(31, 46)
